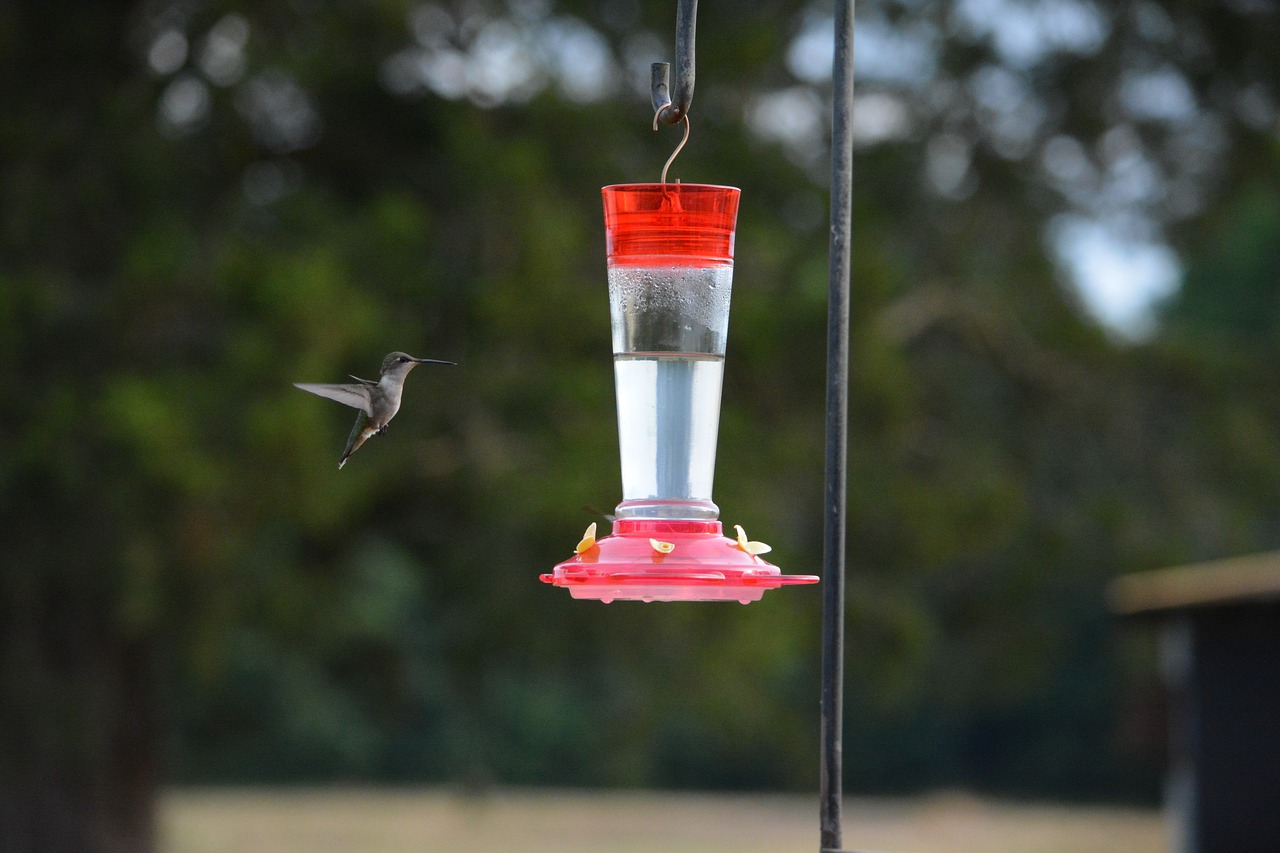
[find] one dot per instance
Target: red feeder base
(703, 565)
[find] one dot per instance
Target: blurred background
(1066, 324)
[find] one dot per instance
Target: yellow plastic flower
(662, 547)
(755, 549)
(588, 540)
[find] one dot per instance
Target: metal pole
(833, 572)
(671, 102)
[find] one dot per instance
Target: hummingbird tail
(359, 434)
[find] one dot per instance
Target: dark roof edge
(1254, 578)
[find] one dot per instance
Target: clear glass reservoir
(670, 256)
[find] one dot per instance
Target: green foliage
(1230, 294)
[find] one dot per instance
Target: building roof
(1250, 579)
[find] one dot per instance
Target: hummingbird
(378, 401)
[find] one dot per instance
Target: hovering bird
(378, 401)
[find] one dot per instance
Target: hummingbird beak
(432, 361)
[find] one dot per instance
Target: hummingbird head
(399, 363)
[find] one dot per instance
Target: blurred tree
(206, 201)
(1231, 292)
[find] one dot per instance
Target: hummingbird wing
(355, 396)
(363, 381)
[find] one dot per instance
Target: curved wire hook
(683, 140)
(666, 108)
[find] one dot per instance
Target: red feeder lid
(647, 559)
(692, 222)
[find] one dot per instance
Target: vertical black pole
(831, 785)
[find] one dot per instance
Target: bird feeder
(670, 267)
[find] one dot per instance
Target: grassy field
(438, 821)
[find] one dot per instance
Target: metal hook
(687, 127)
(667, 109)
